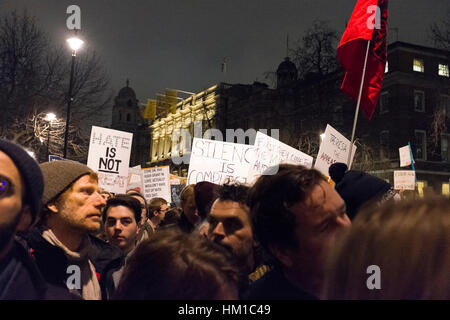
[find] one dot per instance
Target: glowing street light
(49, 117)
(75, 44)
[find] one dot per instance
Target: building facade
(414, 107)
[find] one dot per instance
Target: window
(338, 116)
(384, 144)
(418, 65)
(421, 185)
(420, 144)
(445, 189)
(128, 117)
(386, 68)
(445, 142)
(419, 101)
(443, 70)
(384, 102)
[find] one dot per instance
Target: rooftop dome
(287, 66)
(127, 92)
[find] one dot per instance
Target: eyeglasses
(5, 186)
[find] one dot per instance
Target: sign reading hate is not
(109, 156)
(156, 183)
(218, 161)
(334, 148)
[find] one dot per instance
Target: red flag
(352, 51)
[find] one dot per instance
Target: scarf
(90, 289)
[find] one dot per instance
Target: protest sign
(135, 179)
(218, 161)
(156, 183)
(334, 148)
(109, 156)
(405, 156)
(404, 179)
(271, 152)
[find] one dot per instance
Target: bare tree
(440, 32)
(315, 52)
(34, 79)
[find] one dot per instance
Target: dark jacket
(20, 279)
(184, 224)
(106, 280)
(274, 286)
(53, 263)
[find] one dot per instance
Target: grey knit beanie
(59, 176)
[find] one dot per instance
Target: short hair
(133, 192)
(175, 265)
(186, 193)
(271, 198)
(408, 241)
(124, 200)
(171, 218)
(155, 204)
(233, 192)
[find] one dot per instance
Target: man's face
(10, 199)
(162, 211)
(319, 221)
(230, 227)
(121, 227)
(80, 207)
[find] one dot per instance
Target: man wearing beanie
(66, 252)
(21, 187)
(358, 188)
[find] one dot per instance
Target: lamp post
(49, 117)
(75, 44)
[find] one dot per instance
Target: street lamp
(49, 117)
(75, 44)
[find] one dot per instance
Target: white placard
(109, 156)
(405, 179)
(270, 152)
(135, 179)
(218, 161)
(405, 156)
(156, 183)
(334, 148)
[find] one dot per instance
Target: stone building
(127, 116)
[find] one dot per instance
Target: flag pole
(355, 120)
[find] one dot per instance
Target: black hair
(233, 192)
(124, 200)
(271, 198)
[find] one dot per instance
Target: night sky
(181, 44)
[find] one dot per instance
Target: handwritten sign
(109, 156)
(405, 156)
(334, 148)
(404, 179)
(218, 161)
(135, 179)
(270, 152)
(156, 183)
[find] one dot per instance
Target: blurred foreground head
(409, 242)
(173, 265)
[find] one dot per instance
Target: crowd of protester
(290, 235)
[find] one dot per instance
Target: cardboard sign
(404, 179)
(334, 148)
(405, 156)
(135, 179)
(109, 156)
(270, 152)
(218, 161)
(156, 183)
